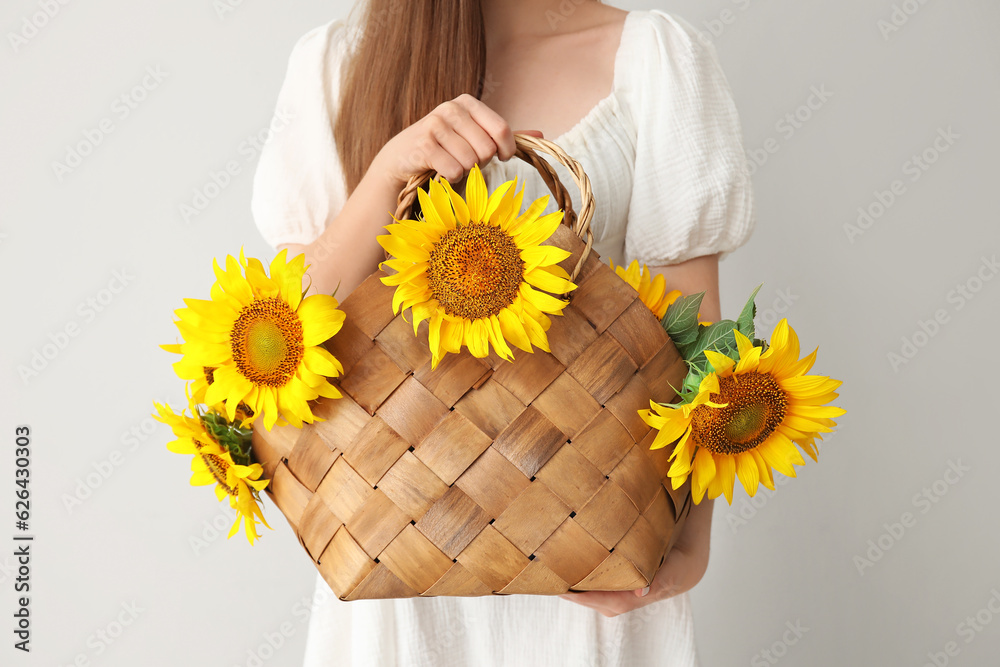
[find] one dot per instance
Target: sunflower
(199, 377)
(213, 463)
(474, 269)
(256, 344)
(652, 289)
(747, 418)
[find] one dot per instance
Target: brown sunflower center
(266, 342)
(218, 467)
(756, 407)
(475, 271)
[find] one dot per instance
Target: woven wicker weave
(486, 476)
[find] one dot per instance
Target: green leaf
(681, 322)
(682, 314)
(686, 342)
(744, 323)
(718, 337)
(231, 436)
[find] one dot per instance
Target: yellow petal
(460, 207)
(477, 338)
(433, 216)
(495, 200)
(749, 474)
(476, 195)
(720, 362)
(544, 302)
(725, 477)
(452, 334)
(538, 231)
(319, 360)
(513, 330)
(497, 339)
(320, 318)
(434, 334)
(399, 248)
(544, 280)
(704, 473)
(543, 255)
(749, 361)
(442, 202)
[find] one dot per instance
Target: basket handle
(527, 148)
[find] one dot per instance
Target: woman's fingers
(456, 135)
(490, 122)
(459, 133)
(442, 161)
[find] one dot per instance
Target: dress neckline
(615, 80)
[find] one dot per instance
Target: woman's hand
(450, 139)
(684, 567)
(454, 136)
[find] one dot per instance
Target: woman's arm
(452, 138)
(688, 559)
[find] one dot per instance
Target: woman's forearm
(346, 253)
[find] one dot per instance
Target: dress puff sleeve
(299, 185)
(692, 193)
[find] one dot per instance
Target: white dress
(665, 159)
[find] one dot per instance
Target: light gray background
(791, 559)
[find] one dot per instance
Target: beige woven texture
(485, 476)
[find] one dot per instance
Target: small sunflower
(256, 345)
(476, 269)
(652, 289)
(747, 418)
(213, 463)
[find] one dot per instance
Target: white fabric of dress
(664, 154)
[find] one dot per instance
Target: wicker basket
(485, 476)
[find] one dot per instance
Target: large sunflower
(213, 463)
(757, 409)
(474, 269)
(257, 342)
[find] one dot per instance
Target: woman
(439, 84)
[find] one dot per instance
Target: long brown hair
(411, 56)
